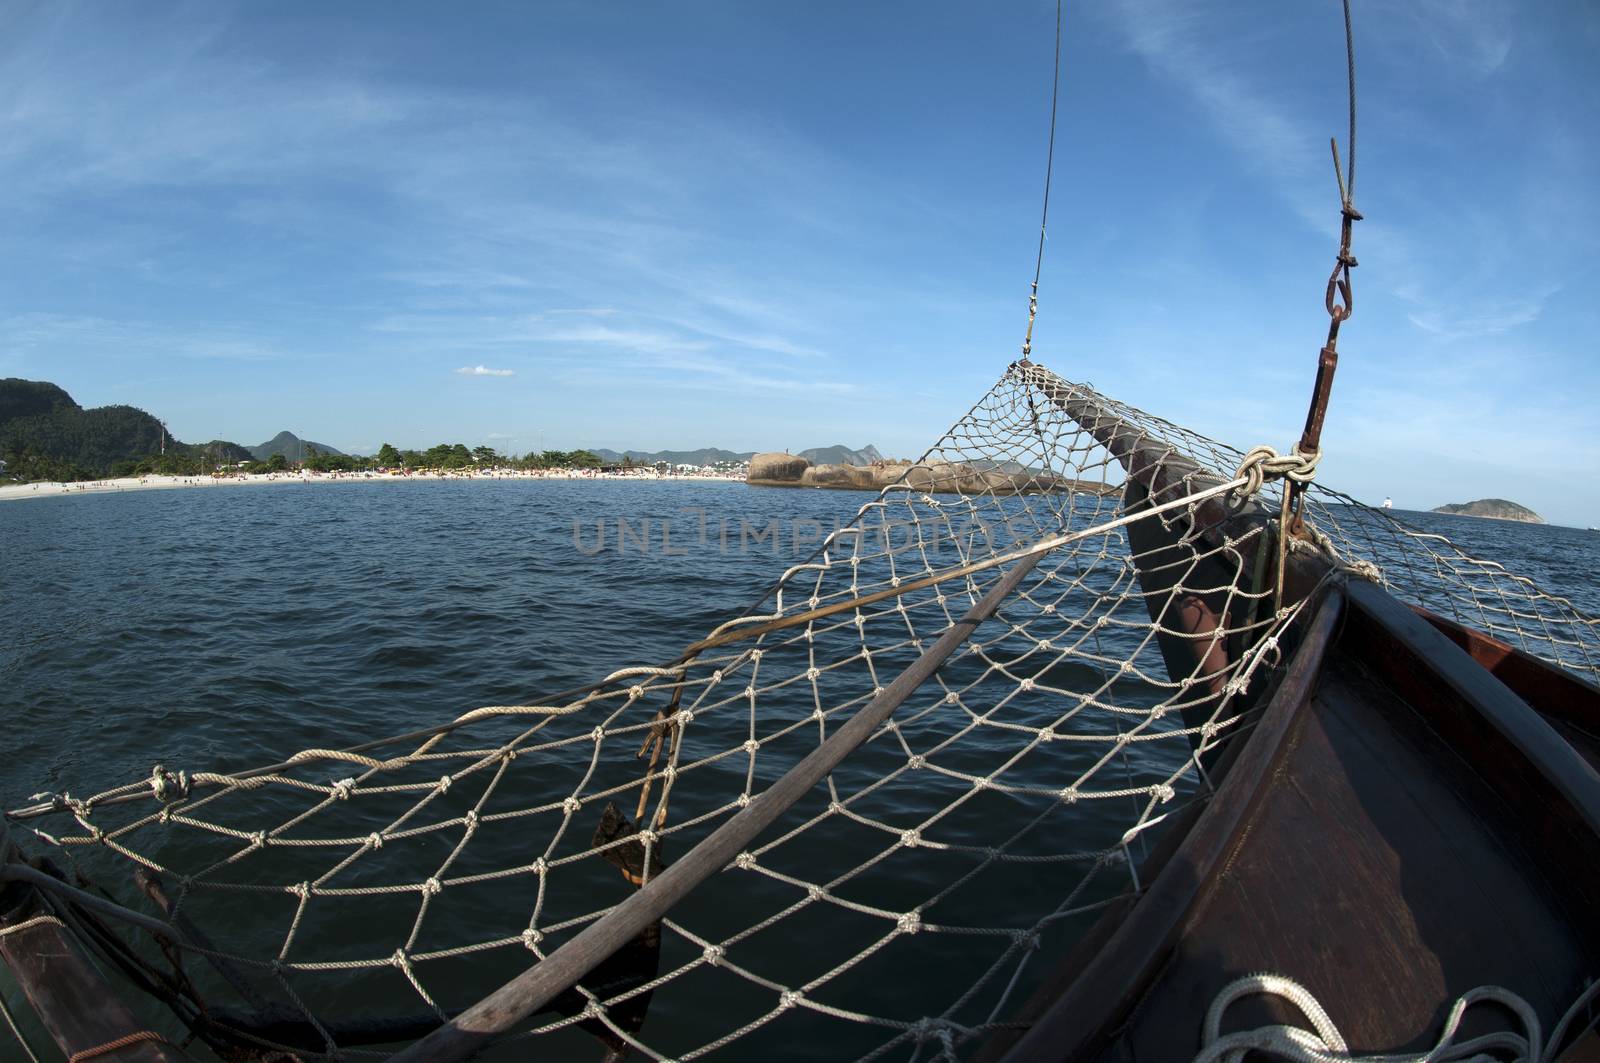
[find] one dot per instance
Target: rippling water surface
(223, 629)
(231, 626)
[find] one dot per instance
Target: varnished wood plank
(73, 1001)
(1101, 993)
(1381, 876)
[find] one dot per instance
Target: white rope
(1324, 1044)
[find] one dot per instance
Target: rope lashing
(1324, 1043)
(1262, 463)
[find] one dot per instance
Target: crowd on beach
(302, 476)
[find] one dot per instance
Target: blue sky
(763, 226)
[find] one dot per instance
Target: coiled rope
(1324, 1044)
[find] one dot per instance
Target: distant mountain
(290, 446)
(835, 455)
(220, 450)
(1497, 508)
(703, 456)
(44, 433)
(842, 455)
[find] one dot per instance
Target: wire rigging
(1338, 298)
(1049, 170)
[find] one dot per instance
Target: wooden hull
(1400, 828)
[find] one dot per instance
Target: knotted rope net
(1094, 590)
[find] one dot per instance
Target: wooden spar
(68, 993)
(536, 987)
(1165, 475)
(1186, 591)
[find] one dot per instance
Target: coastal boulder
(936, 476)
(777, 468)
(851, 476)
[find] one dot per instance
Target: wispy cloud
(1476, 34)
(46, 335)
(1491, 319)
(1185, 42)
(483, 370)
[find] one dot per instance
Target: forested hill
(291, 447)
(46, 435)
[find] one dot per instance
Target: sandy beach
(13, 492)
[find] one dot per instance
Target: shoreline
(55, 489)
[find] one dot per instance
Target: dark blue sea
(222, 629)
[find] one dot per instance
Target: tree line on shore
(27, 464)
(445, 456)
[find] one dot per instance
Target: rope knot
(531, 939)
(1262, 463)
(909, 923)
(343, 789)
(169, 785)
(713, 954)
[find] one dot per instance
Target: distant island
(1494, 508)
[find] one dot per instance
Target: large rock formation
(933, 476)
(773, 468)
(858, 477)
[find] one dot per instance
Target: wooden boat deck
(1400, 829)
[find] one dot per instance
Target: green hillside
(45, 435)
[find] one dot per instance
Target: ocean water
(222, 629)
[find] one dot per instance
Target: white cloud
(483, 370)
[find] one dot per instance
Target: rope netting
(346, 903)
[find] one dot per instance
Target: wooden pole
(530, 991)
